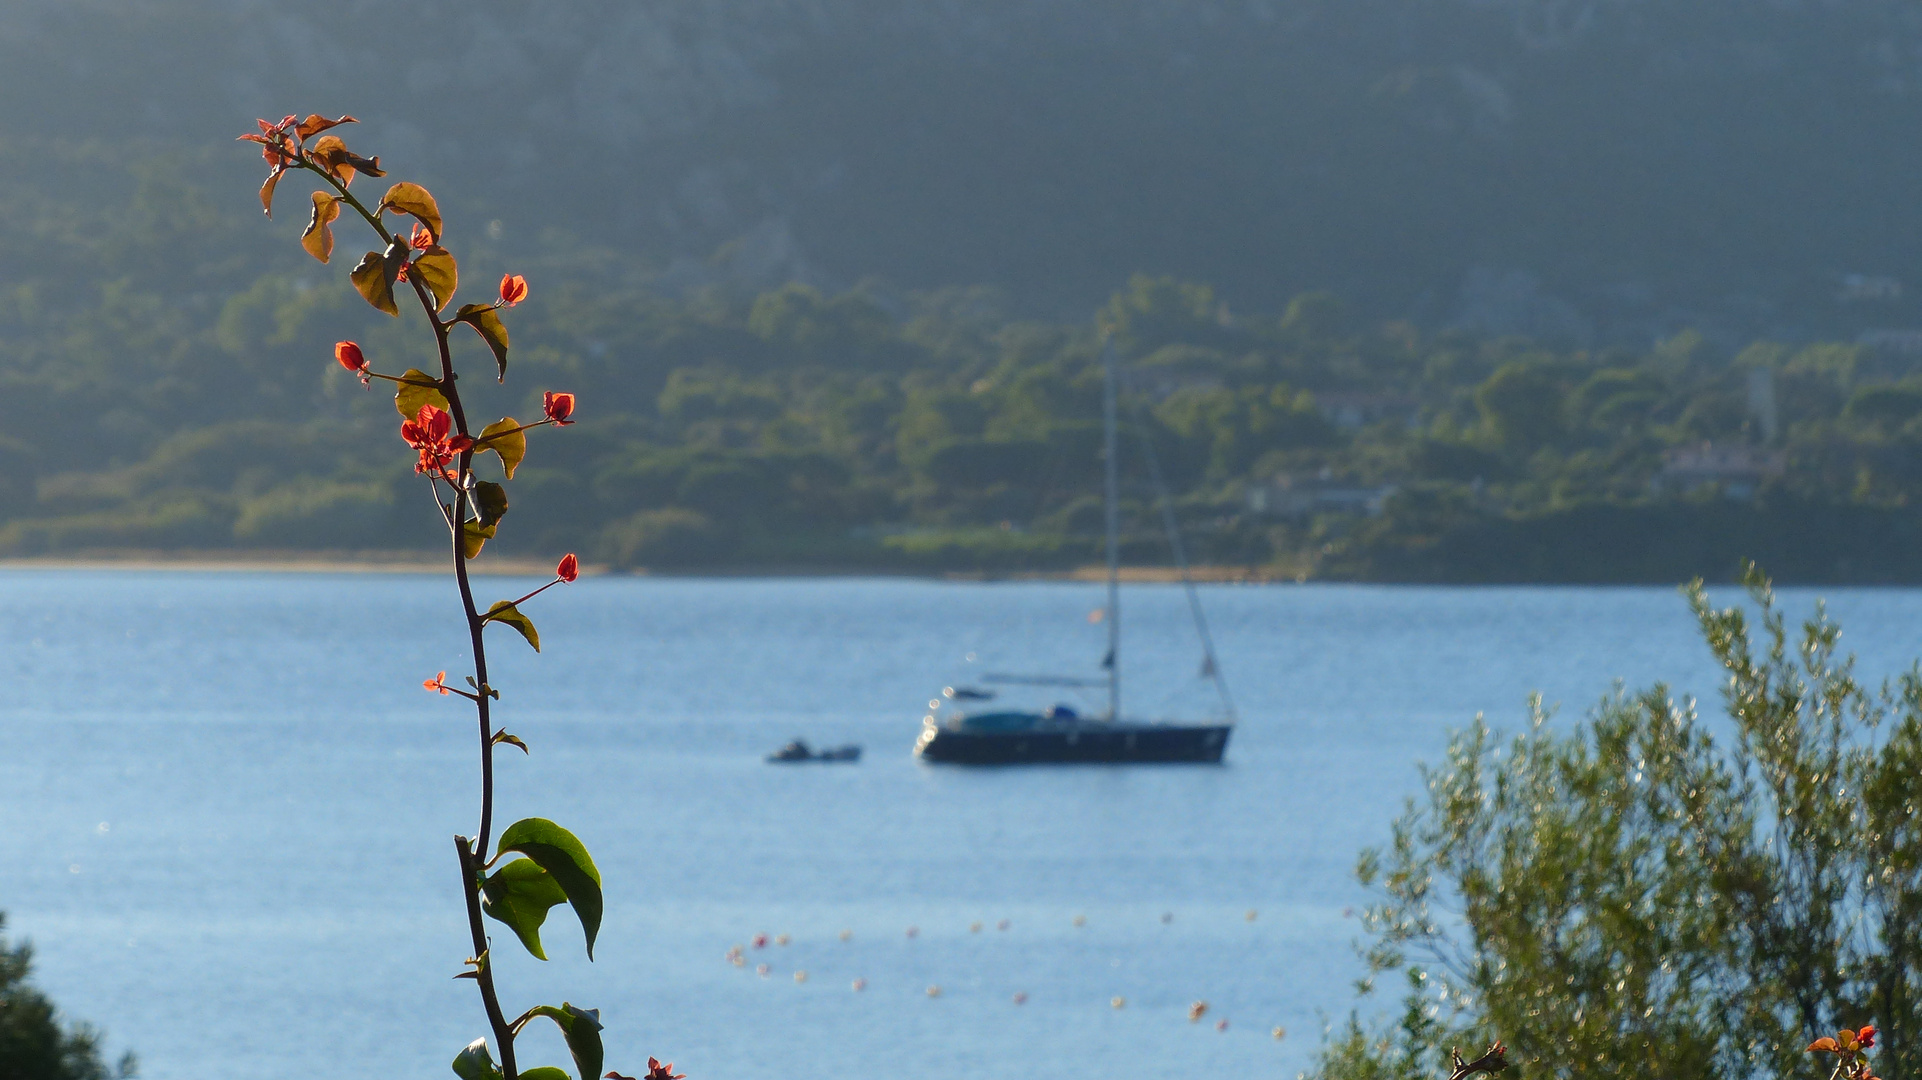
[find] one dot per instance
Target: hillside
(1605, 170)
(1550, 290)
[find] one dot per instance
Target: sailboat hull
(1089, 743)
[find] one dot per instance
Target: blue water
(226, 808)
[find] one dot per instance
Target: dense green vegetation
(33, 1044)
(1590, 218)
(1652, 893)
(793, 428)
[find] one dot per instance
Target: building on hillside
(1738, 470)
(1893, 342)
(1162, 385)
(1857, 288)
(1303, 497)
(1350, 411)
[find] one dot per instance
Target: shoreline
(285, 562)
(409, 562)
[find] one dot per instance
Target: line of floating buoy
(736, 956)
(762, 940)
(1195, 1011)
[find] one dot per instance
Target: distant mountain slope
(1587, 169)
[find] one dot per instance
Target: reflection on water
(225, 812)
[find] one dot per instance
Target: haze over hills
(824, 273)
(1591, 170)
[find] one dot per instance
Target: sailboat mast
(1113, 506)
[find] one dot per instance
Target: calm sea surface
(226, 808)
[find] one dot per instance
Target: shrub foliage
(1653, 893)
(33, 1044)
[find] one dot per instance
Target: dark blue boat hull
(1091, 743)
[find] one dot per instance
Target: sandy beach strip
(288, 562)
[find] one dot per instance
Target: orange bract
(569, 569)
(513, 289)
(558, 407)
(316, 123)
(438, 682)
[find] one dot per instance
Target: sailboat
(972, 731)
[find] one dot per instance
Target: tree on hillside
(33, 1045)
(1649, 894)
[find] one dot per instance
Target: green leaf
(490, 500)
(545, 1072)
(504, 437)
(413, 199)
(475, 1063)
(519, 895)
(513, 740)
(504, 611)
(560, 854)
(319, 237)
(415, 389)
(437, 270)
(473, 537)
(582, 1030)
(374, 280)
(487, 323)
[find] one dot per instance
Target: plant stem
(470, 857)
(503, 1035)
(470, 888)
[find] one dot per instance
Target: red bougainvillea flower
(437, 683)
(558, 407)
(429, 433)
(513, 289)
(569, 569)
(1848, 1041)
(420, 239)
(658, 1071)
(351, 358)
